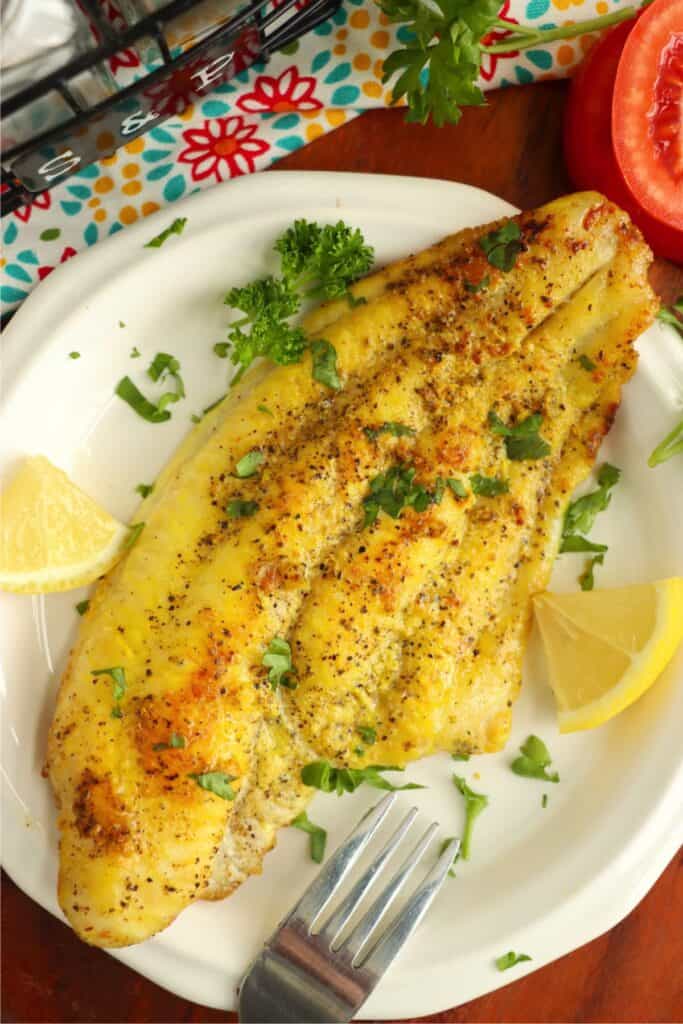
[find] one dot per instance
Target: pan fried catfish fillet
(172, 787)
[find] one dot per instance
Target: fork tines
(305, 975)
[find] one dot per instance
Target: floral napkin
(318, 83)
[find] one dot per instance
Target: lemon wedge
(52, 535)
(605, 648)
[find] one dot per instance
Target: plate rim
(650, 852)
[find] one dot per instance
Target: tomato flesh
(588, 148)
(647, 112)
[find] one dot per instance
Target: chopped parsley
(144, 489)
(238, 509)
(221, 349)
(324, 356)
(176, 228)
(456, 486)
(278, 661)
(460, 757)
(249, 464)
(507, 960)
(523, 441)
(587, 363)
(367, 734)
(670, 446)
(135, 353)
(475, 803)
(213, 405)
(480, 286)
(318, 835)
(395, 429)
(581, 514)
(82, 607)
(74, 355)
(128, 391)
(534, 760)
(503, 246)
(393, 491)
(544, 800)
(217, 783)
(175, 742)
(587, 577)
(446, 843)
(135, 531)
(673, 315)
(265, 409)
(121, 323)
(323, 776)
(488, 486)
(354, 301)
(118, 678)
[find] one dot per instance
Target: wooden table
(511, 147)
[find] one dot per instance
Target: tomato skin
(588, 149)
(646, 111)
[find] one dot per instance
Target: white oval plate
(541, 881)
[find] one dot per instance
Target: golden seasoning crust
(415, 624)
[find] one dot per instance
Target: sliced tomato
(647, 112)
(587, 140)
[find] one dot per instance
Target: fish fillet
(414, 626)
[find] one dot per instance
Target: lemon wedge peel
(53, 537)
(645, 666)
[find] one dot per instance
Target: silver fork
(305, 976)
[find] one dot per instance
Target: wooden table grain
(633, 973)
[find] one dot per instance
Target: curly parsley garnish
(318, 836)
(323, 776)
(534, 760)
(316, 260)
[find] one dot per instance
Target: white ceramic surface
(541, 881)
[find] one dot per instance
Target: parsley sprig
(446, 40)
(475, 803)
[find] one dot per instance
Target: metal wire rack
(94, 116)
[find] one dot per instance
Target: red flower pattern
(224, 144)
(290, 91)
(489, 61)
(66, 255)
(41, 202)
